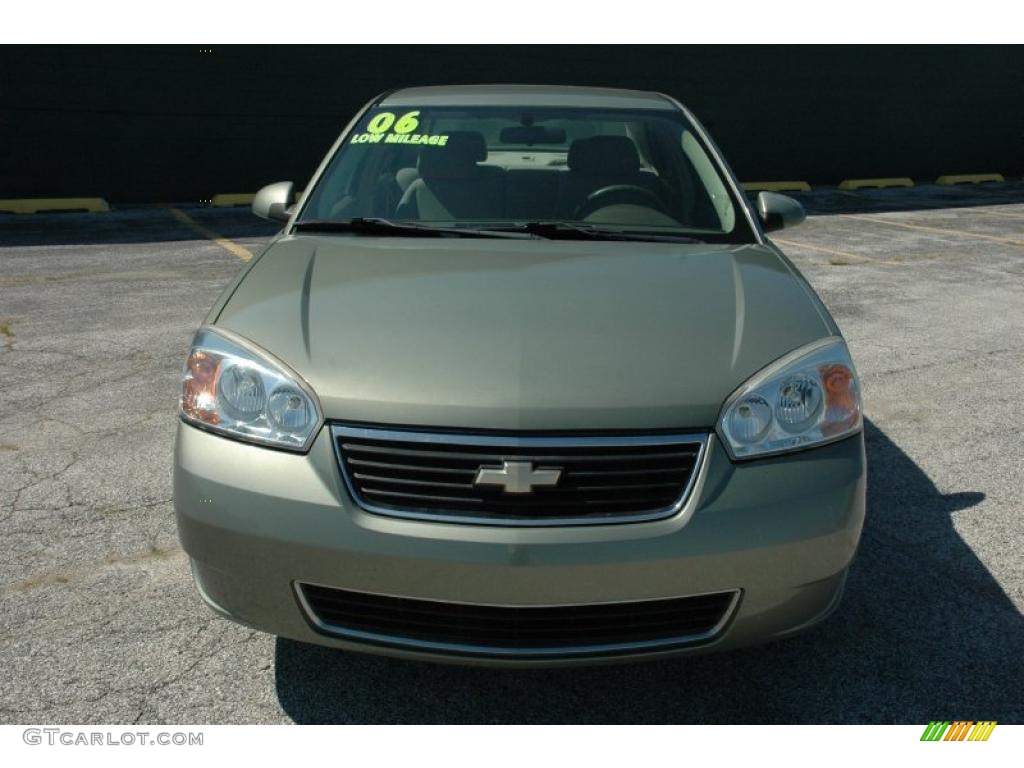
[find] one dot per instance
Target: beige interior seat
(452, 183)
(597, 162)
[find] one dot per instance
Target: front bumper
(255, 522)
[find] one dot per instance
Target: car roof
(525, 96)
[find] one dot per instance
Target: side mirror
(274, 201)
(778, 211)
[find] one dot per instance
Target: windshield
(624, 170)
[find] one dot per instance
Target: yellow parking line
(940, 230)
(969, 178)
(226, 201)
(775, 186)
(944, 205)
(857, 258)
(1003, 214)
(901, 181)
(228, 245)
(43, 204)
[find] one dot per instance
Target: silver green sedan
(521, 381)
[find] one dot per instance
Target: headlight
(807, 398)
(232, 388)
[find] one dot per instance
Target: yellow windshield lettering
(386, 127)
(380, 123)
(408, 122)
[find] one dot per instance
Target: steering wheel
(618, 194)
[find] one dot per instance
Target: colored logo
(958, 730)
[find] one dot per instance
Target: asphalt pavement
(100, 622)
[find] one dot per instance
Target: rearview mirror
(274, 201)
(778, 211)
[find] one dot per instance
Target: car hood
(523, 334)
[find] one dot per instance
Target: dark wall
(173, 123)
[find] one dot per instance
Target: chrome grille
(602, 479)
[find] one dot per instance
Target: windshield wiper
(379, 226)
(550, 230)
(568, 230)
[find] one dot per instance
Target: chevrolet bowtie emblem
(516, 476)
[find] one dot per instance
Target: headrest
(458, 157)
(604, 156)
